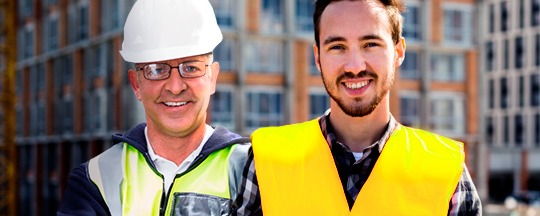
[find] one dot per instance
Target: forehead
(361, 15)
(203, 57)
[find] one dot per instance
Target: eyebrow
(332, 39)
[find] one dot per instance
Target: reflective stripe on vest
(130, 186)
(416, 173)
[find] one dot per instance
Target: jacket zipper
(165, 196)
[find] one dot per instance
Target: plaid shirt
(353, 175)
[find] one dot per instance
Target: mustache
(362, 74)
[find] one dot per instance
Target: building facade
(73, 92)
(510, 74)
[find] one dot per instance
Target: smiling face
(176, 106)
(357, 56)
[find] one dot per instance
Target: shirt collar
(209, 131)
(329, 133)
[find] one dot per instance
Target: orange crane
(8, 150)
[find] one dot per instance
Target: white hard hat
(159, 30)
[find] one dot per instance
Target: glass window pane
(222, 109)
(265, 56)
(264, 109)
(304, 15)
(272, 16)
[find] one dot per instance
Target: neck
(175, 148)
(357, 133)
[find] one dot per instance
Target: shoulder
(286, 131)
(419, 134)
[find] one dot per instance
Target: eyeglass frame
(178, 67)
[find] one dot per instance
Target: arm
(81, 196)
(465, 200)
(249, 200)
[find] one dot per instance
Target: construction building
(509, 42)
(73, 93)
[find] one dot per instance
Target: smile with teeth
(175, 104)
(356, 85)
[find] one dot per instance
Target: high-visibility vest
(130, 186)
(416, 174)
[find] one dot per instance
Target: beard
(356, 108)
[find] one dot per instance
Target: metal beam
(8, 154)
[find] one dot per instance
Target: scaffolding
(8, 154)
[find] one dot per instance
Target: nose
(175, 83)
(355, 62)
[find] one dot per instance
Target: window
(490, 130)
(20, 120)
(491, 19)
(521, 95)
(32, 77)
(535, 12)
(109, 68)
(535, 90)
(505, 17)
(41, 77)
(457, 25)
(110, 15)
(40, 120)
(319, 102)
(88, 115)
(521, 13)
(223, 108)
(272, 16)
(79, 153)
(505, 94)
(225, 55)
(27, 180)
(264, 108)
(59, 116)
(506, 54)
(490, 56)
(78, 22)
(94, 62)
(67, 69)
(537, 50)
(67, 119)
(491, 89)
(304, 15)
(409, 106)
(18, 83)
(50, 178)
(412, 25)
(225, 11)
(109, 111)
(448, 114)
(51, 2)
(519, 53)
(50, 42)
(265, 56)
(537, 129)
(25, 8)
(506, 131)
(34, 127)
(448, 67)
(28, 48)
(410, 68)
(57, 80)
(83, 22)
(93, 114)
(518, 130)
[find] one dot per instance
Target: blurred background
(471, 72)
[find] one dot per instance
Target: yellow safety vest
(416, 174)
(130, 186)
